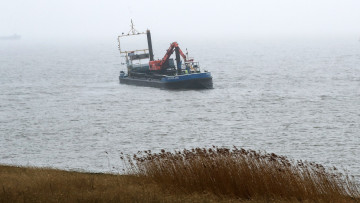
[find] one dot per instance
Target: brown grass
(21, 184)
(243, 174)
(197, 175)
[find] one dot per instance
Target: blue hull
(188, 81)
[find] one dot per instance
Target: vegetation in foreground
(197, 175)
(22, 184)
(244, 174)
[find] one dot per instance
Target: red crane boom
(158, 64)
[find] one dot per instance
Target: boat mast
(132, 31)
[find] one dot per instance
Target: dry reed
(243, 174)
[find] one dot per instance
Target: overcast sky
(52, 19)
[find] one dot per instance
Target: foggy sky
(92, 19)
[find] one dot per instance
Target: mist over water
(61, 105)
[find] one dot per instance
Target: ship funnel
(150, 45)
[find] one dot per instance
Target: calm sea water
(61, 105)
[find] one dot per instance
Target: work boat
(143, 70)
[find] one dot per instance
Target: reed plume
(243, 174)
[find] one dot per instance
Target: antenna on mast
(133, 31)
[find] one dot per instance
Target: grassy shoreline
(29, 184)
(196, 175)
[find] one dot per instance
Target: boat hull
(190, 81)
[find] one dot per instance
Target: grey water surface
(61, 105)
